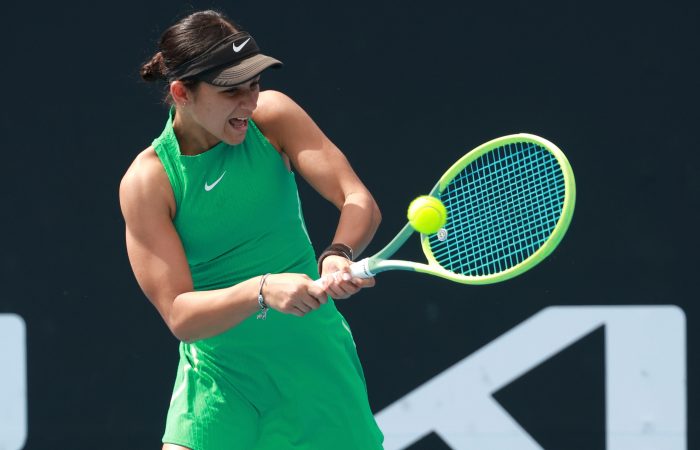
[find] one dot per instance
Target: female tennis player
(217, 242)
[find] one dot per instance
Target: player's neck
(191, 137)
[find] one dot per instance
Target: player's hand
(337, 280)
(293, 293)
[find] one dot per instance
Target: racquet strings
(502, 208)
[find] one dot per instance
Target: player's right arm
(158, 260)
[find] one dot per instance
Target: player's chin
(231, 139)
(234, 136)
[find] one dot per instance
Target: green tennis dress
(281, 383)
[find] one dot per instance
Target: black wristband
(336, 249)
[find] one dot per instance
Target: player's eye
(253, 86)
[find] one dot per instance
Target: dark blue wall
(410, 85)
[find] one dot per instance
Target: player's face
(224, 112)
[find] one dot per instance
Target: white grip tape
(358, 269)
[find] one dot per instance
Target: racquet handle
(359, 269)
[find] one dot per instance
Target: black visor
(233, 60)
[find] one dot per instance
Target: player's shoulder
(273, 107)
(144, 169)
(278, 116)
(145, 180)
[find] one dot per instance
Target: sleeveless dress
(286, 382)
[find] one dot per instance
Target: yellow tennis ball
(427, 214)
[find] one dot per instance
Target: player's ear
(179, 92)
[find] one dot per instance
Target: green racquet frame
(380, 263)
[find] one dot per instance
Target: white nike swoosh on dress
(240, 47)
(208, 187)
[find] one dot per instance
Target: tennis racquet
(509, 203)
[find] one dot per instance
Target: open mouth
(239, 123)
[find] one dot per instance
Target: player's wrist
(335, 249)
(262, 304)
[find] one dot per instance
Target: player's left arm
(290, 129)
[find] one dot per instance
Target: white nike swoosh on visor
(208, 187)
(240, 47)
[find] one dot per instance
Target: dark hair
(186, 39)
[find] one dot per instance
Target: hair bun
(154, 69)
